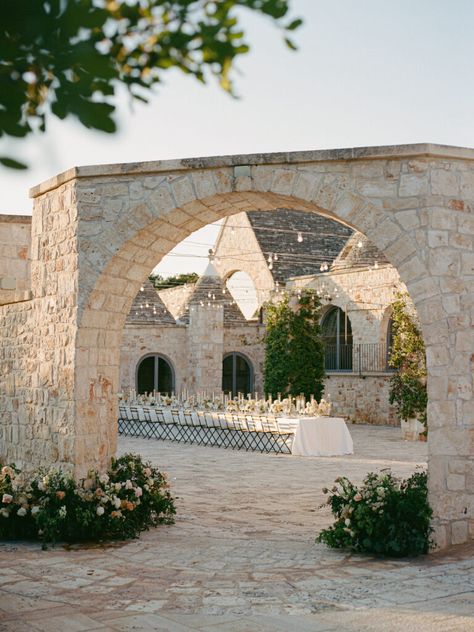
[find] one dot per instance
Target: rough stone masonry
(98, 231)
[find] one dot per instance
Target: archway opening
(237, 374)
(154, 373)
(336, 329)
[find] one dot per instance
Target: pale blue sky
(367, 72)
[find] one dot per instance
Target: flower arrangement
(386, 516)
(50, 505)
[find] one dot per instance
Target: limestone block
(444, 182)
(459, 532)
(412, 185)
(456, 482)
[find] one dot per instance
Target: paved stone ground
(241, 557)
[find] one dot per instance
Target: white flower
(347, 522)
(62, 511)
(357, 498)
(138, 492)
(4, 512)
(117, 502)
(7, 471)
(100, 511)
(146, 487)
(21, 512)
(128, 484)
(118, 487)
(147, 472)
(104, 479)
(41, 486)
(7, 498)
(34, 510)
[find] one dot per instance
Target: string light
(359, 244)
(299, 239)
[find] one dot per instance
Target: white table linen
(320, 436)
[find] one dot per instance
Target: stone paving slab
(241, 556)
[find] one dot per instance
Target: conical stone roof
(210, 290)
(148, 308)
(359, 252)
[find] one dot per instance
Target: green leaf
(294, 25)
(290, 44)
(11, 163)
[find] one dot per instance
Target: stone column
(206, 347)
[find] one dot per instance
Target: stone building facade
(98, 231)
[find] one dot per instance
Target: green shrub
(386, 516)
(50, 505)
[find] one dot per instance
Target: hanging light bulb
(213, 297)
(270, 266)
(299, 239)
(209, 295)
(146, 305)
(359, 244)
(224, 291)
(270, 259)
(275, 257)
(142, 289)
(141, 306)
(376, 265)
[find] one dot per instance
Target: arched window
(155, 373)
(237, 374)
(337, 334)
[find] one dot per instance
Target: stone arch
(146, 230)
(114, 223)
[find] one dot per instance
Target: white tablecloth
(321, 436)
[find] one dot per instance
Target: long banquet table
(320, 436)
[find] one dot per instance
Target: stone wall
(169, 341)
(361, 398)
(15, 241)
(248, 340)
(239, 251)
(99, 230)
(364, 294)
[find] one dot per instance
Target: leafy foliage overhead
(67, 57)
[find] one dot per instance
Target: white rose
(138, 492)
(7, 498)
(117, 502)
(41, 486)
(100, 511)
(62, 511)
(4, 513)
(147, 472)
(347, 522)
(118, 487)
(104, 479)
(34, 510)
(21, 512)
(128, 485)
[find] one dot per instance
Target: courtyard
(241, 556)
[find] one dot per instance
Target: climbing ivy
(294, 350)
(407, 356)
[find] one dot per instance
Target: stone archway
(98, 231)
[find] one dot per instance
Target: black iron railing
(357, 358)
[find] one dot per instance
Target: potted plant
(408, 384)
